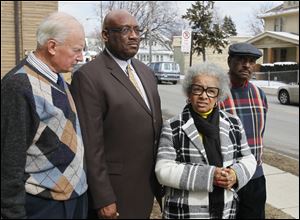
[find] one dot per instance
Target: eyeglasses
(126, 30)
(211, 92)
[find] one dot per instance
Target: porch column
(297, 54)
(270, 55)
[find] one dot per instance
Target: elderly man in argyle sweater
(42, 167)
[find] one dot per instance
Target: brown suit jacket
(120, 135)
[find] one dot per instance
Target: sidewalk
(282, 190)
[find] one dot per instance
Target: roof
(280, 10)
(284, 36)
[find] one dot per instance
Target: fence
(289, 76)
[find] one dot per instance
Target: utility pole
(150, 48)
(101, 15)
(101, 23)
(148, 39)
(191, 50)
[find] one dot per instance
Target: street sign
(186, 38)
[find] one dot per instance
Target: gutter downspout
(17, 32)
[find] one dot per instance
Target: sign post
(186, 41)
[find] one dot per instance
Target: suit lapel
(118, 73)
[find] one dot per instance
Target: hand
(233, 178)
(108, 212)
(220, 177)
(224, 177)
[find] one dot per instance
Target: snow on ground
(268, 84)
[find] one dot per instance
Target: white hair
(207, 69)
(56, 26)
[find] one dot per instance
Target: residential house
(280, 39)
(155, 48)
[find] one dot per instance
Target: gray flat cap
(244, 49)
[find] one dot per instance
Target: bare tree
(154, 17)
(256, 23)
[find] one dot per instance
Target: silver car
(288, 94)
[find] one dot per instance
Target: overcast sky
(239, 12)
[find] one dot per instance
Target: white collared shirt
(42, 67)
(123, 64)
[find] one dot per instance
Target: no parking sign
(186, 38)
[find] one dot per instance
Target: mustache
(134, 41)
(245, 70)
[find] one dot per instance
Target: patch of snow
(284, 63)
(267, 84)
(267, 64)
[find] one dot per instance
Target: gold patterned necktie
(132, 79)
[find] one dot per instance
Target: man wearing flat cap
(250, 104)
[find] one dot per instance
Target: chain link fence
(288, 76)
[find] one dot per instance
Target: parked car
(288, 94)
(166, 71)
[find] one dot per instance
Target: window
(156, 67)
(283, 53)
(278, 25)
(167, 66)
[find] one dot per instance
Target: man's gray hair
(57, 26)
(207, 69)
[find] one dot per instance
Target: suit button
(154, 120)
(155, 142)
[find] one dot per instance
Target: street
(282, 129)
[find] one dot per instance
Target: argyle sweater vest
(52, 142)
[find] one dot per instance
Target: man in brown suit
(121, 121)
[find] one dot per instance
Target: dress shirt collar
(122, 63)
(42, 67)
